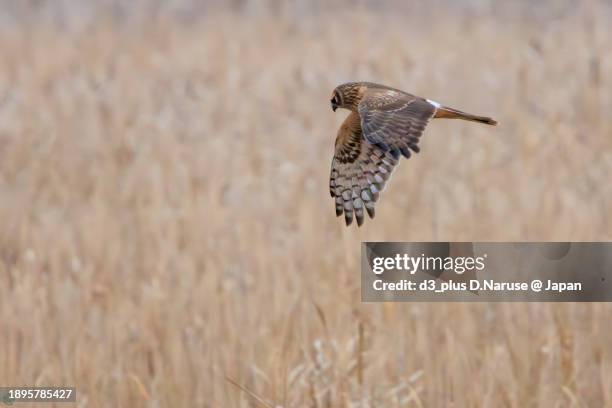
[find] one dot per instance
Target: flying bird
(384, 124)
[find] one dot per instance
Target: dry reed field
(167, 238)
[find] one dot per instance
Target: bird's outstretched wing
(359, 171)
(394, 120)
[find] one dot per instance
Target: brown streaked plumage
(384, 124)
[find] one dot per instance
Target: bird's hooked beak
(334, 105)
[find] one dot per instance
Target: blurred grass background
(165, 221)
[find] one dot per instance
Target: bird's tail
(450, 113)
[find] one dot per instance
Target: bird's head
(346, 96)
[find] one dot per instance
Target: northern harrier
(384, 123)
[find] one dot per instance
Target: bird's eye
(335, 100)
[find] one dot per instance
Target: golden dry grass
(165, 223)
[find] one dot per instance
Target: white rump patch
(434, 103)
